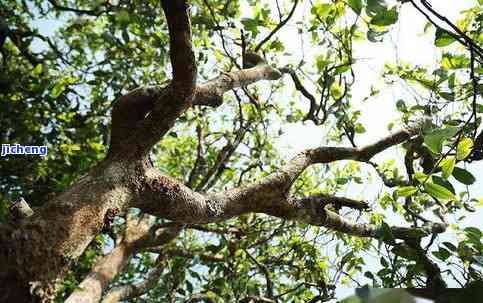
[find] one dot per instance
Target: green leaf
(434, 140)
(336, 91)
(356, 5)
(58, 88)
(251, 25)
(444, 183)
(359, 128)
(385, 18)
(464, 148)
(473, 234)
(463, 176)
(442, 254)
(342, 69)
(189, 286)
(401, 106)
(322, 10)
(123, 17)
(447, 166)
(38, 69)
(443, 38)
(421, 177)
(406, 191)
(447, 96)
(341, 181)
(375, 7)
(385, 233)
(438, 191)
(375, 36)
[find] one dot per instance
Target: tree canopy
(164, 121)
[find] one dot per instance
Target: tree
(188, 152)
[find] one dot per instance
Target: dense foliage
(64, 63)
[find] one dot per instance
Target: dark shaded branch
(16, 37)
(458, 35)
(434, 281)
(303, 91)
(266, 273)
(181, 252)
(338, 202)
(469, 43)
(200, 160)
(91, 12)
(222, 158)
(159, 107)
(314, 211)
(181, 49)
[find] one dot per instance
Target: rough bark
(37, 251)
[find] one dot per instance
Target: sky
(379, 111)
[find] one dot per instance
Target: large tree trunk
(37, 251)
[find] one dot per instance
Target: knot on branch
(251, 59)
(20, 209)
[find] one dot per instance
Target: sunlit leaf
(438, 191)
(464, 148)
(443, 38)
(447, 166)
(406, 191)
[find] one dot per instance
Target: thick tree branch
(155, 109)
(282, 180)
(181, 49)
(137, 235)
(211, 93)
(313, 211)
(129, 291)
(169, 199)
